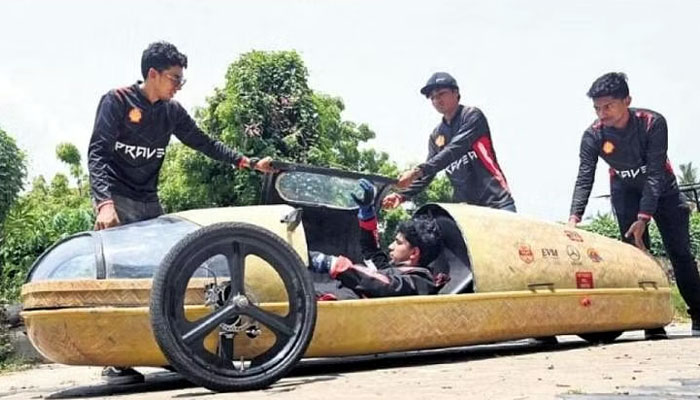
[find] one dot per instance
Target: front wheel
(222, 251)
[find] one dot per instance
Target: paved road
(630, 368)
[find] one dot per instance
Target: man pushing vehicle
(127, 148)
(460, 145)
(634, 143)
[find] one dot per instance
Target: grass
(680, 309)
(13, 364)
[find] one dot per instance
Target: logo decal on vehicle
(440, 141)
(574, 254)
(550, 253)
(584, 280)
(525, 253)
(573, 236)
(135, 115)
(593, 255)
(608, 147)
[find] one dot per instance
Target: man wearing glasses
(132, 130)
(634, 143)
(461, 145)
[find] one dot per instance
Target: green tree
(12, 173)
(689, 174)
(69, 154)
(266, 108)
(39, 218)
(439, 191)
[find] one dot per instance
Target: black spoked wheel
(233, 308)
(600, 337)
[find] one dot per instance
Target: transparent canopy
(124, 252)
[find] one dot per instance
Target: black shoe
(544, 340)
(121, 376)
(655, 334)
(695, 327)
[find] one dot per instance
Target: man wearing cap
(460, 145)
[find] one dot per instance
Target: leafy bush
(5, 345)
(12, 173)
(38, 219)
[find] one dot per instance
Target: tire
(182, 341)
(600, 337)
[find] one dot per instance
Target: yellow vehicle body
(531, 279)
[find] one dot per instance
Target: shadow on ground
(327, 369)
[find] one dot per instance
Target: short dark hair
(161, 56)
(422, 232)
(612, 84)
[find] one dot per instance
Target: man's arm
(400, 281)
(110, 111)
(471, 129)
(423, 181)
(588, 159)
(656, 158)
(189, 133)
(369, 244)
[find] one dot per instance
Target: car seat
(453, 259)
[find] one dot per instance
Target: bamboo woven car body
(532, 278)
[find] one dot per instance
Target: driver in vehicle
(403, 271)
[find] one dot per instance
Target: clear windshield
(73, 258)
(317, 189)
(136, 250)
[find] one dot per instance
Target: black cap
(439, 80)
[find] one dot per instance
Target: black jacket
(463, 148)
(129, 141)
(381, 278)
(637, 156)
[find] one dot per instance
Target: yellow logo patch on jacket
(440, 141)
(135, 115)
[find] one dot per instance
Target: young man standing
(461, 145)
(132, 130)
(634, 142)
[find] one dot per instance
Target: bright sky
(527, 65)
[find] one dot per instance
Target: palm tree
(688, 175)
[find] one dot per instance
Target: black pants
(130, 211)
(672, 218)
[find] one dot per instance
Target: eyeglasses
(177, 80)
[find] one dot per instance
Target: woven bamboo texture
(512, 251)
(533, 278)
(123, 336)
